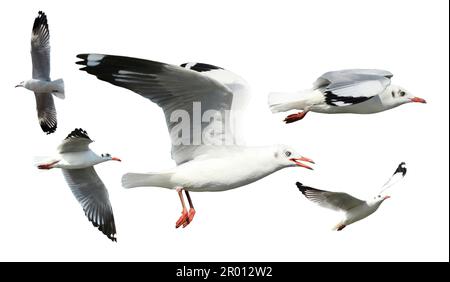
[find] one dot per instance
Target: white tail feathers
(283, 101)
(300, 100)
(131, 180)
(58, 88)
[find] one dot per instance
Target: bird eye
(287, 153)
(379, 196)
(393, 94)
(402, 93)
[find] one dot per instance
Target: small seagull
(356, 91)
(77, 163)
(354, 209)
(214, 162)
(40, 83)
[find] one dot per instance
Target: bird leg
(184, 213)
(47, 166)
(191, 210)
(295, 117)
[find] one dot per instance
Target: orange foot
(183, 219)
(294, 117)
(190, 217)
(47, 166)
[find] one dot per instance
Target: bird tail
(285, 101)
(131, 180)
(58, 88)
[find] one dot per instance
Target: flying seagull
(353, 208)
(77, 163)
(208, 155)
(40, 83)
(356, 91)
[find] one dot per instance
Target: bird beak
(116, 159)
(386, 197)
(297, 161)
(18, 85)
(418, 100)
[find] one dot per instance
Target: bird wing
(184, 94)
(40, 48)
(76, 141)
(46, 111)
(91, 193)
(337, 201)
(398, 175)
(349, 87)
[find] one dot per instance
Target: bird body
(353, 209)
(41, 84)
(239, 166)
(77, 161)
(356, 91)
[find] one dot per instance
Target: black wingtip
(78, 133)
(401, 169)
(48, 128)
(301, 187)
(40, 20)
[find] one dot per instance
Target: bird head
(378, 199)
(287, 157)
(108, 157)
(395, 96)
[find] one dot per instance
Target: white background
(274, 45)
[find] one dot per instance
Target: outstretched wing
(196, 106)
(349, 87)
(398, 175)
(40, 48)
(76, 141)
(91, 193)
(332, 200)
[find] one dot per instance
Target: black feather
(78, 133)
(201, 67)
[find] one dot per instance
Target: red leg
(184, 214)
(295, 117)
(191, 210)
(47, 166)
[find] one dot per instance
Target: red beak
(386, 197)
(116, 159)
(418, 100)
(297, 162)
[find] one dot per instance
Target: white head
(107, 157)
(377, 200)
(395, 95)
(287, 157)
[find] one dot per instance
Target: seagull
(209, 156)
(40, 83)
(353, 208)
(77, 163)
(356, 91)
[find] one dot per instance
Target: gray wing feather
(333, 200)
(91, 193)
(172, 88)
(40, 48)
(46, 111)
(76, 141)
(352, 86)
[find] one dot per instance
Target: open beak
(386, 197)
(116, 159)
(298, 161)
(418, 100)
